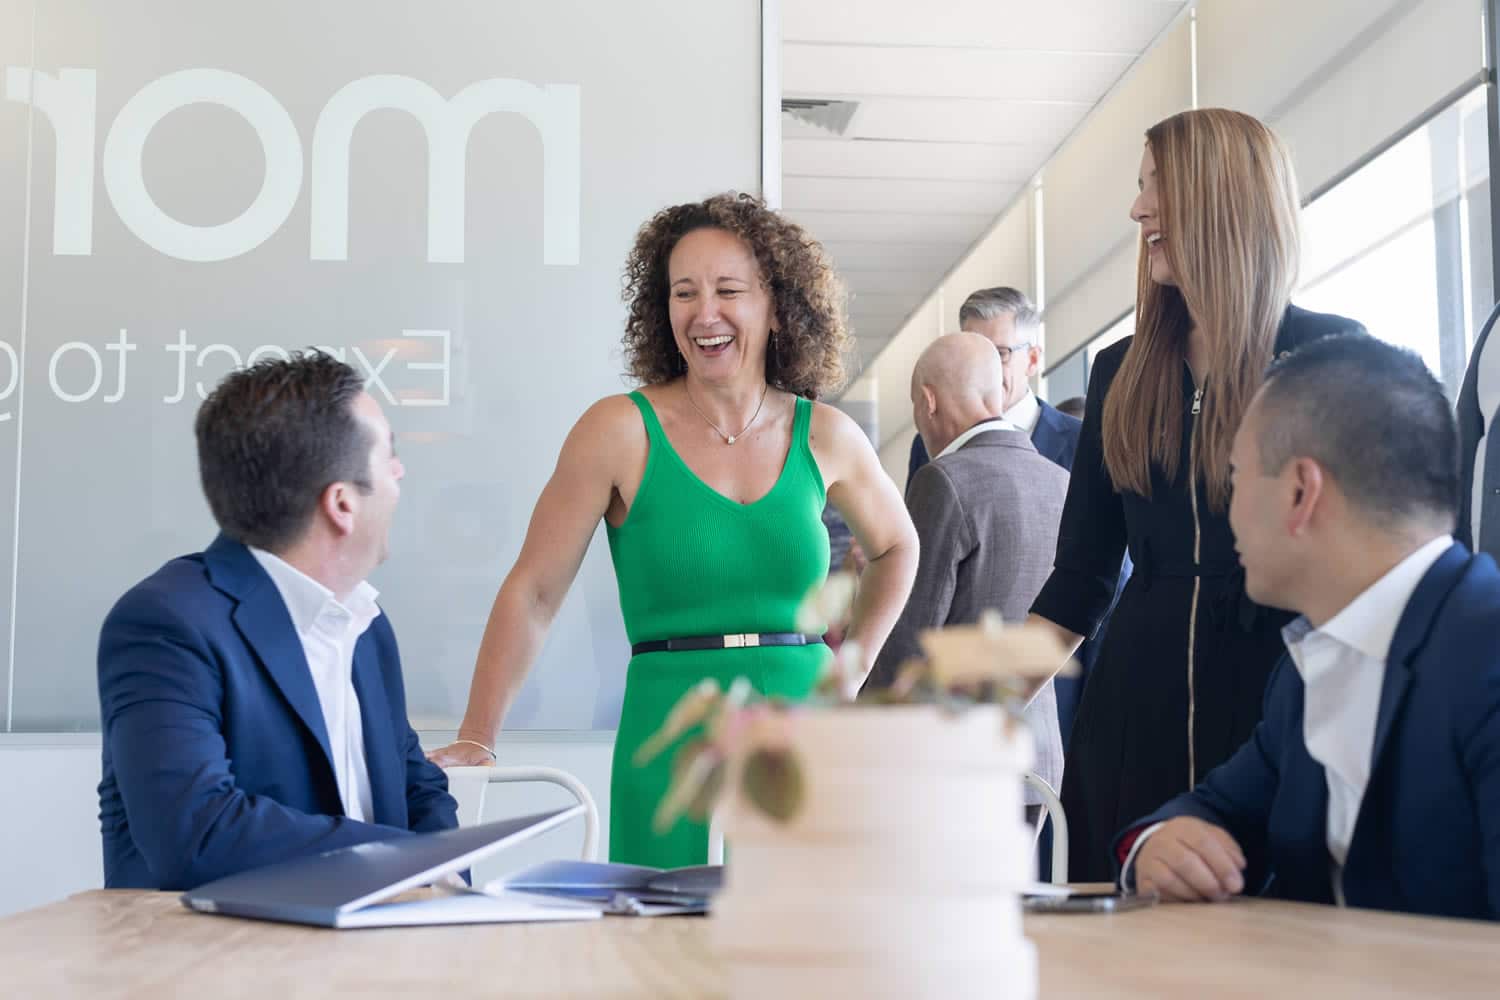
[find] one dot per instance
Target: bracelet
(476, 743)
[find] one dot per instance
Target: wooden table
(143, 944)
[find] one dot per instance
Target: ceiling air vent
(828, 115)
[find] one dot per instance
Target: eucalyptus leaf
(692, 766)
(701, 806)
(773, 782)
(695, 706)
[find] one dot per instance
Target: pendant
(731, 439)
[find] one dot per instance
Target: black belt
(744, 640)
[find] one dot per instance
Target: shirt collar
(1368, 623)
(990, 424)
(1025, 413)
(307, 600)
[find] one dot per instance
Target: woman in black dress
(1178, 681)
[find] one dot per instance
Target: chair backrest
(1052, 808)
(469, 785)
(1477, 410)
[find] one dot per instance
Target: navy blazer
(1427, 838)
(1055, 436)
(215, 752)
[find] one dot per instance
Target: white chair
(716, 838)
(1051, 806)
(469, 784)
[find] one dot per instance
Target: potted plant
(877, 845)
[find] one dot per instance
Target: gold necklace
(728, 438)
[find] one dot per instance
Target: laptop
(386, 883)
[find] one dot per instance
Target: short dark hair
(1072, 406)
(990, 303)
(1374, 417)
(272, 438)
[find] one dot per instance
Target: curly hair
(806, 356)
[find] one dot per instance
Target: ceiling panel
(893, 195)
(965, 120)
(861, 71)
(829, 156)
(1121, 26)
(960, 104)
(914, 283)
(894, 227)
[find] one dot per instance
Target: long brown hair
(1228, 208)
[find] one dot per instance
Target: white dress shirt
(993, 424)
(1343, 670)
(329, 631)
(1025, 413)
(1342, 666)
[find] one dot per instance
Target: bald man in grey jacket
(986, 510)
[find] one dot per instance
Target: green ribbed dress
(690, 561)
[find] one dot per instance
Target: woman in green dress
(711, 479)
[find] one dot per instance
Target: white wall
(49, 835)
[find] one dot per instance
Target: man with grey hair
(986, 511)
(1006, 318)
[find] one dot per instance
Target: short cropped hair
(272, 438)
(1374, 417)
(992, 303)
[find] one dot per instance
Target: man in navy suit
(250, 695)
(1374, 778)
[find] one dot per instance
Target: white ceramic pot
(899, 876)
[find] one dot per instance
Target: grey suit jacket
(987, 518)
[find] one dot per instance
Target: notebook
(631, 890)
(383, 883)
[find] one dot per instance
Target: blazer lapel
(1043, 435)
(384, 756)
(266, 626)
(1299, 821)
(1411, 635)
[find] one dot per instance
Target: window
(1071, 378)
(1122, 328)
(1403, 244)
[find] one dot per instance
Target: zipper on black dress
(1197, 582)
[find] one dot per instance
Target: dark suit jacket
(215, 753)
(1427, 838)
(986, 519)
(1055, 436)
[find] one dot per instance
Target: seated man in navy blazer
(1374, 778)
(250, 695)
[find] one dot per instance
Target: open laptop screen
(319, 888)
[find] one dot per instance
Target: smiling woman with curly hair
(711, 480)
(807, 354)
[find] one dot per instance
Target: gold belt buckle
(742, 640)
